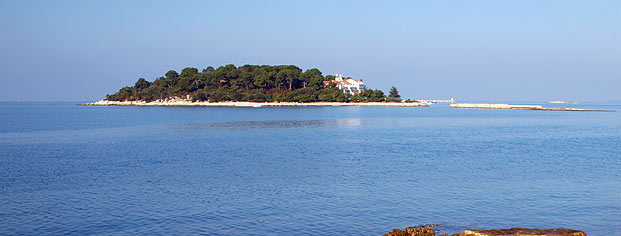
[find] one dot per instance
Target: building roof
(348, 81)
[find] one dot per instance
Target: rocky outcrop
(428, 231)
(522, 232)
(413, 231)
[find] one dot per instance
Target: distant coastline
(519, 107)
(562, 102)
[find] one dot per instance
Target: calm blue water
(67, 169)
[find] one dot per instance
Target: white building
(348, 85)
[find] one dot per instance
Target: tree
(208, 70)
(245, 79)
(142, 84)
(171, 74)
(280, 79)
(394, 93)
(366, 95)
(293, 77)
(188, 72)
(312, 78)
(377, 96)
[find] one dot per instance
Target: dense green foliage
(246, 83)
(393, 95)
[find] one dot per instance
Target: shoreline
(188, 103)
(520, 107)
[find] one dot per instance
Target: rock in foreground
(523, 232)
(413, 231)
(428, 231)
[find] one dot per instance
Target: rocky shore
(523, 232)
(182, 102)
(428, 231)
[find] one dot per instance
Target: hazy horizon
(476, 50)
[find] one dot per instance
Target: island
(253, 86)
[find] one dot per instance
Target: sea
(86, 170)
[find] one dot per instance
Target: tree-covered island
(249, 83)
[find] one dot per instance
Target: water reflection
(349, 122)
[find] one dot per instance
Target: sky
(527, 50)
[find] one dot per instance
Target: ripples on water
(272, 171)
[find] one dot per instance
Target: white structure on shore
(348, 85)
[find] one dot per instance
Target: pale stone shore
(517, 107)
(179, 102)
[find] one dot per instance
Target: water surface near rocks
(67, 169)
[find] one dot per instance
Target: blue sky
(470, 50)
